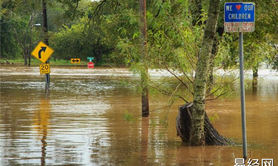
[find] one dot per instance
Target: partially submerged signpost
(91, 64)
(43, 52)
(240, 17)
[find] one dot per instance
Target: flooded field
(93, 117)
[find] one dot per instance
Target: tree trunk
(255, 71)
(144, 71)
(210, 77)
(45, 30)
(255, 79)
(254, 85)
(183, 126)
(197, 134)
(25, 52)
(214, 50)
(45, 26)
(30, 38)
(29, 52)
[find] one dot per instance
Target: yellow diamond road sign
(42, 52)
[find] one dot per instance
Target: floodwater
(93, 117)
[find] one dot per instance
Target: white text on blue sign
(239, 12)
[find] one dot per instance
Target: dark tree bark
(29, 53)
(214, 50)
(144, 71)
(45, 26)
(255, 71)
(45, 30)
(30, 38)
(183, 126)
(255, 79)
(197, 133)
(25, 54)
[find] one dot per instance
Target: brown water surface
(92, 117)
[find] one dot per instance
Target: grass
(35, 62)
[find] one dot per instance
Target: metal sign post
(240, 17)
(242, 94)
(43, 52)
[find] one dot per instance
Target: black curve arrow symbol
(42, 49)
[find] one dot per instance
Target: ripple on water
(90, 118)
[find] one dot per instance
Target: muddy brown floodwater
(92, 117)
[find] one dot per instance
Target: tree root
(183, 126)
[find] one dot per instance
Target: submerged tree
(193, 125)
(144, 70)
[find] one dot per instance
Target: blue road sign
(239, 17)
(239, 12)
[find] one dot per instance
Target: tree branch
(178, 78)
(168, 93)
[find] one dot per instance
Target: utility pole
(45, 30)
(144, 71)
(1, 22)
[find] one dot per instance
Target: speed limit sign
(44, 68)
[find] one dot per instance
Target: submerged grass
(128, 117)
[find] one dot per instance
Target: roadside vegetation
(109, 31)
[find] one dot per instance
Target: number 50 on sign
(44, 68)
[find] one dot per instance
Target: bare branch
(168, 93)
(99, 8)
(178, 78)
(173, 93)
(225, 92)
(186, 76)
(214, 92)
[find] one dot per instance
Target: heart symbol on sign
(238, 7)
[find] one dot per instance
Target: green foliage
(68, 42)
(71, 8)
(259, 46)
(213, 118)
(109, 31)
(17, 19)
(9, 45)
(274, 60)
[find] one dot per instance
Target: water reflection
(255, 85)
(144, 140)
(41, 123)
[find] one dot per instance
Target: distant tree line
(108, 30)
